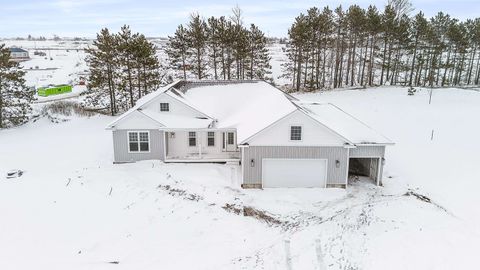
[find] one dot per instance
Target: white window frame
(168, 106)
(290, 133)
(138, 142)
(208, 145)
(188, 139)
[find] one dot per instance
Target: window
(164, 107)
(211, 138)
(192, 138)
(296, 133)
(230, 138)
(138, 141)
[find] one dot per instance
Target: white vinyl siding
(138, 141)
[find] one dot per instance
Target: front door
(230, 141)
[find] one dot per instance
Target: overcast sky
(160, 18)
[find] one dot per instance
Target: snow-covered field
(74, 209)
(68, 60)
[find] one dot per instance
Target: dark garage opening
(364, 167)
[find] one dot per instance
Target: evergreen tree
(197, 33)
(224, 45)
(101, 59)
(259, 59)
(123, 68)
(15, 96)
(213, 41)
(178, 49)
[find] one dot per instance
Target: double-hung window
(295, 133)
(230, 138)
(164, 107)
(138, 141)
(211, 138)
(192, 138)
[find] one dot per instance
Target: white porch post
(199, 140)
(200, 150)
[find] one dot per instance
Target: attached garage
(284, 173)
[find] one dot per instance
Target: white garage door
(294, 172)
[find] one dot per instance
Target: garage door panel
(294, 172)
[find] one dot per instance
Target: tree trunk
(372, 59)
(471, 65)
(413, 61)
(362, 76)
(299, 68)
(352, 80)
(446, 67)
(384, 59)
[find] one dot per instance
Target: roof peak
(185, 85)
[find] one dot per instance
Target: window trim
(290, 133)
(168, 106)
(196, 139)
(213, 132)
(138, 143)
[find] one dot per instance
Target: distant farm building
(18, 54)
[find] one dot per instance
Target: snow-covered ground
(64, 62)
(74, 209)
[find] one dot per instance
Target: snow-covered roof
(247, 106)
(142, 101)
(178, 121)
(343, 123)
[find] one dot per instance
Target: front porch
(201, 146)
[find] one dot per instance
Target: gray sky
(160, 18)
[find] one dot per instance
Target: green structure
(54, 90)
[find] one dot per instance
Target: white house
(279, 140)
(18, 54)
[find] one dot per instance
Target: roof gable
(313, 133)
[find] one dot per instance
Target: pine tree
(126, 62)
(101, 59)
(259, 59)
(147, 65)
(178, 49)
(123, 68)
(214, 38)
(15, 96)
(197, 32)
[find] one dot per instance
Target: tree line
(366, 47)
(219, 48)
(123, 68)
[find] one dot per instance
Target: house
(279, 140)
(18, 54)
